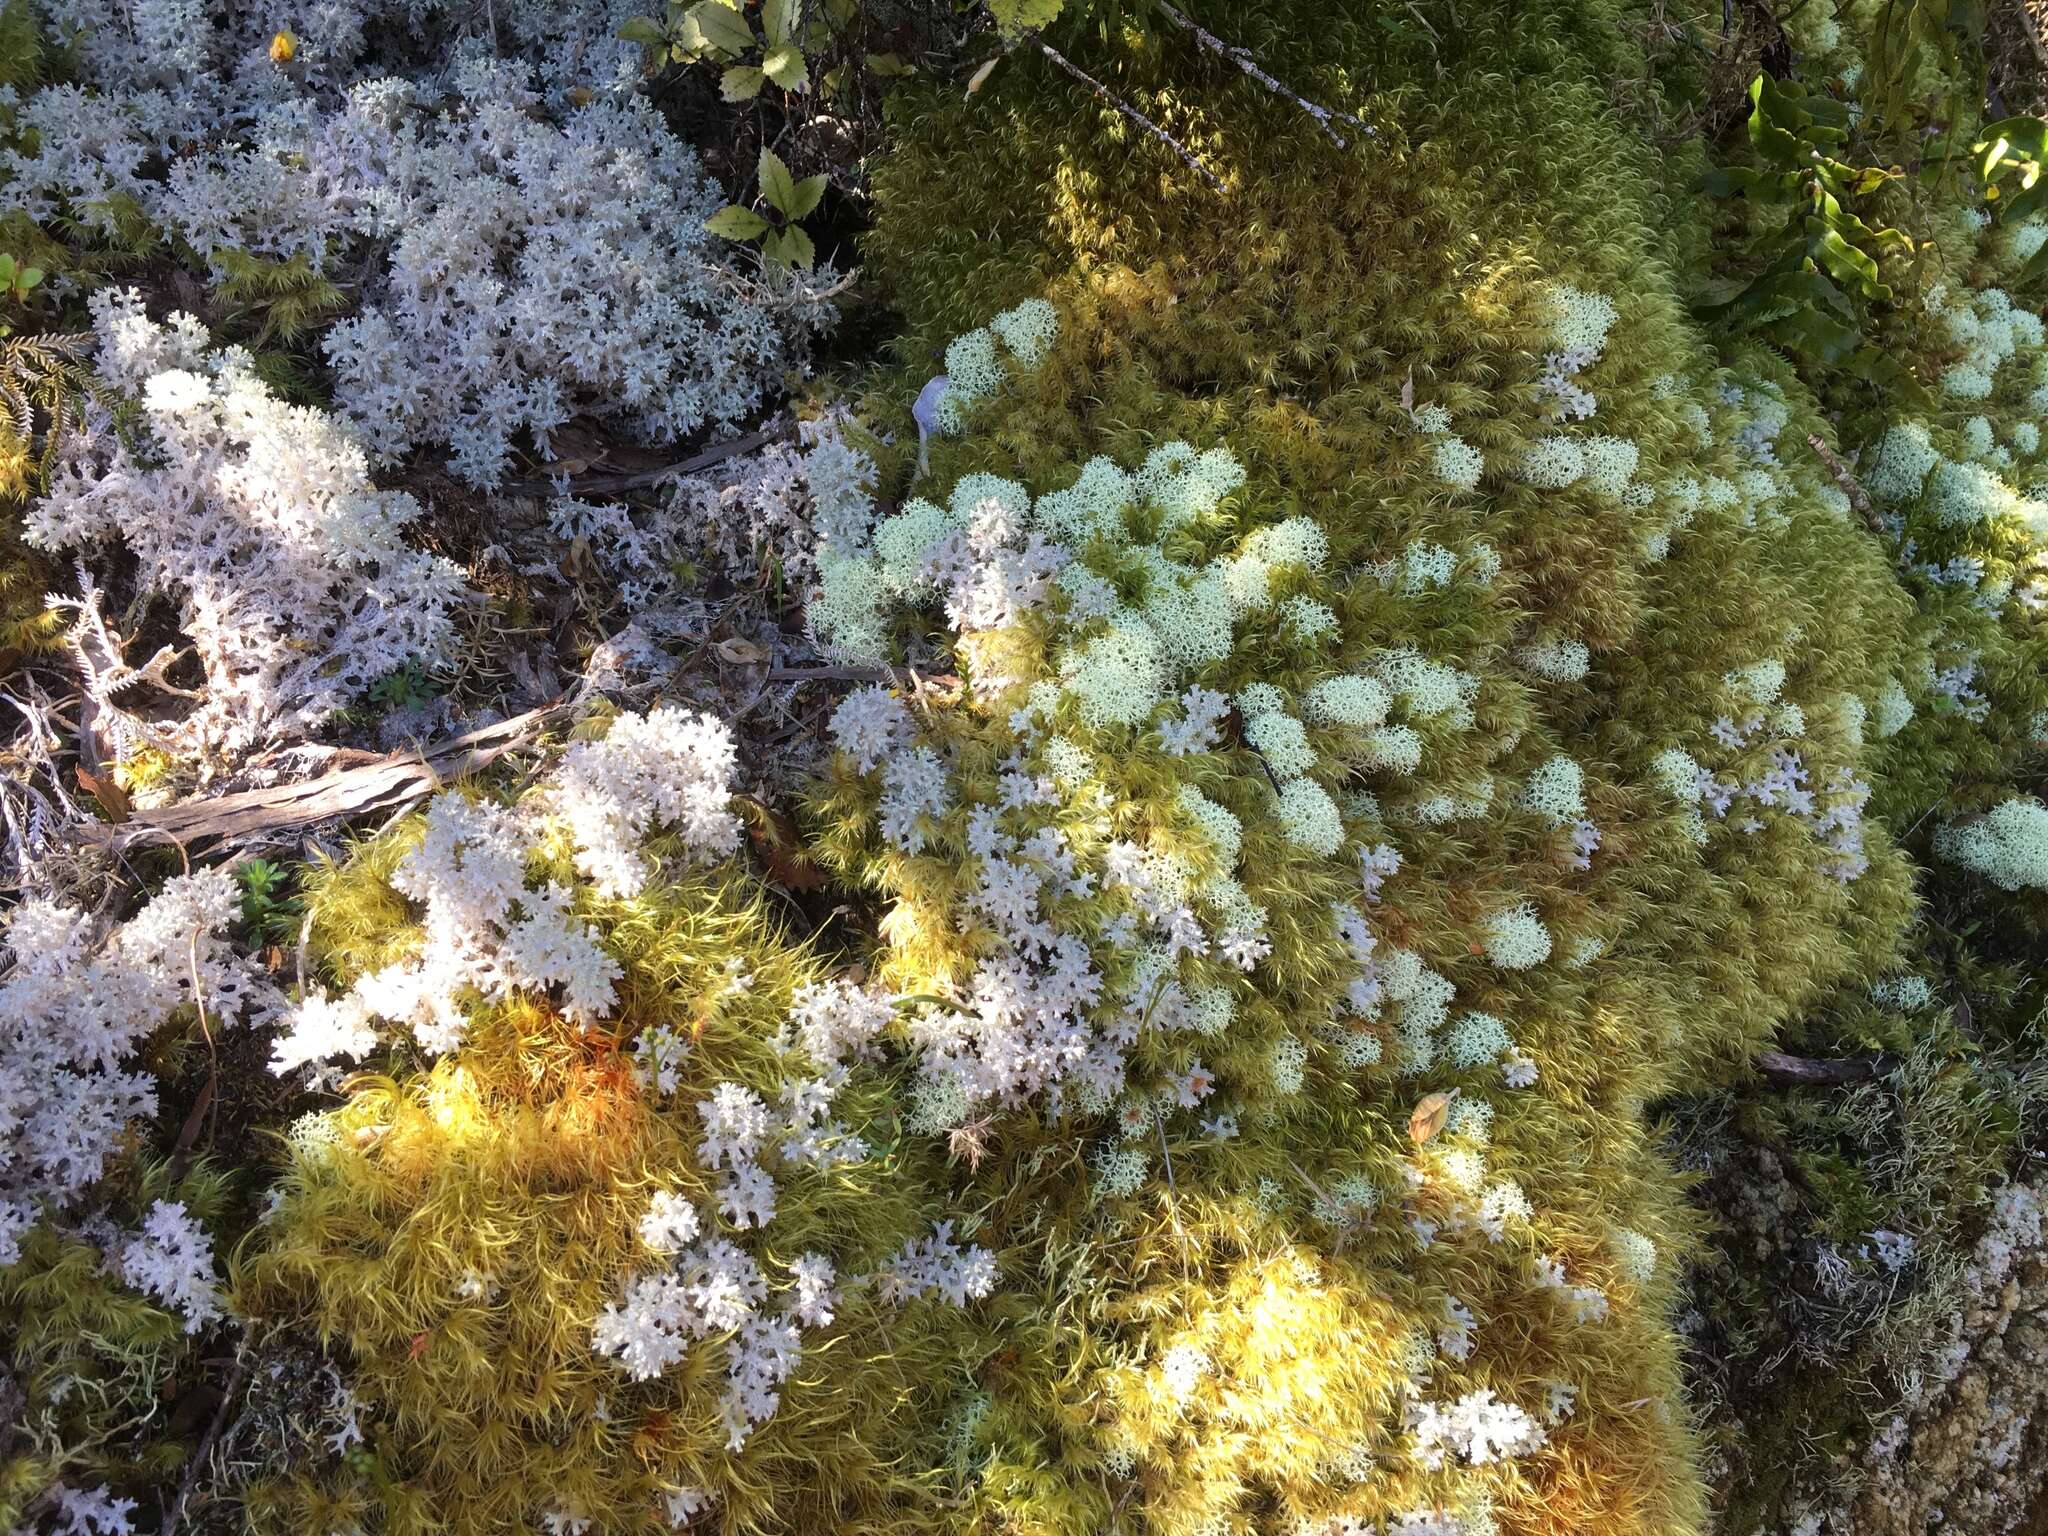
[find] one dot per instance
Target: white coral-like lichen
(257, 520)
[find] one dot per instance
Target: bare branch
(1243, 59)
(1104, 93)
(859, 674)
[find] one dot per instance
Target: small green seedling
(782, 239)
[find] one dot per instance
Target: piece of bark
(382, 786)
(1805, 1070)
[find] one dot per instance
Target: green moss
(452, 1231)
(96, 1364)
(1289, 321)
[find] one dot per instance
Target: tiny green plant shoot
(406, 687)
(783, 239)
(271, 908)
(17, 278)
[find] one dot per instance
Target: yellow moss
(452, 1232)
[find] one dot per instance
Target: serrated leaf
(741, 82)
(785, 66)
(792, 247)
(736, 223)
(645, 31)
(1015, 16)
(808, 191)
(776, 184)
(722, 27)
(779, 18)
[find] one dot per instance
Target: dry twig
(601, 485)
(1851, 487)
(1104, 93)
(206, 1443)
(1243, 59)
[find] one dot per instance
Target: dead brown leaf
(1430, 1115)
(112, 798)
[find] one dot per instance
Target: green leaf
(2029, 134)
(1815, 288)
(785, 66)
(780, 18)
(1849, 265)
(792, 247)
(741, 82)
(776, 185)
(1816, 334)
(736, 223)
(2025, 203)
(2036, 265)
(1783, 129)
(1740, 181)
(888, 65)
(1994, 155)
(721, 27)
(808, 191)
(645, 31)
(30, 276)
(1016, 16)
